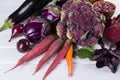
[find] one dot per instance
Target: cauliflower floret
(80, 22)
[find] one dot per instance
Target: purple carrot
(55, 47)
(36, 51)
(59, 57)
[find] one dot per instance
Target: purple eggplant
(28, 8)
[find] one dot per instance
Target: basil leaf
(85, 52)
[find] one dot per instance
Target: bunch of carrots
(49, 45)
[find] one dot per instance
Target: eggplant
(27, 8)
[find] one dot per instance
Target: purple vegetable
(113, 33)
(107, 57)
(16, 31)
(80, 22)
(51, 13)
(23, 45)
(36, 29)
(112, 30)
(25, 10)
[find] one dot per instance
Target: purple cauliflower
(80, 22)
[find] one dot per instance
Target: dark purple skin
(23, 45)
(107, 57)
(33, 31)
(110, 56)
(16, 31)
(28, 8)
(36, 29)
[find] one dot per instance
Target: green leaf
(85, 52)
(6, 25)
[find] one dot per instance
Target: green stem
(53, 2)
(6, 25)
(2, 28)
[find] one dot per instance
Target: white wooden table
(83, 69)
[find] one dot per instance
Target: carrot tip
(6, 71)
(13, 67)
(9, 70)
(34, 73)
(43, 78)
(70, 74)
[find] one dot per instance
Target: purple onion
(36, 29)
(16, 31)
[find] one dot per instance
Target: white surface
(83, 69)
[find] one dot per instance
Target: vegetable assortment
(36, 51)
(57, 26)
(24, 11)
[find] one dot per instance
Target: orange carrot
(55, 47)
(59, 57)
(36, 51)
(69, 60)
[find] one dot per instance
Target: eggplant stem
(6, 25)
(53, 2)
